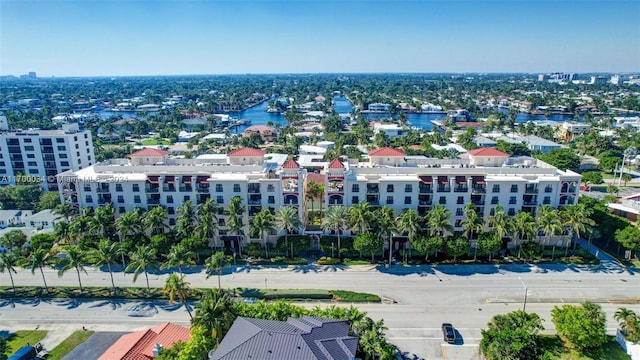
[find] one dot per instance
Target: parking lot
(432, 346)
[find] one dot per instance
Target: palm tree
(129, 223)
(214, 312)
(629, 323)
(80, 226)
(234, 222)
(8, 262)
(261, 225)
(175, 286)
(154, 219)
(549, 222)
(499, 222)
(140, 261)
(524, 227)
(410, 223)
(185, 220)
(37, 260)
(576, 219)
(66, 210)
(314, 192)
(386, 225)
(178, 256)
(287, 220)
(74, 259)
(215, 263)
(103, 221)
(62, 231)
(472, 224)
(208, 220)
(337, 219)
(438, 220)
(106, 253)
(360, 216)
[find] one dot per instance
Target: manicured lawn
(68, 344)
(155, 142)
(350, 262)
(556, 350)
(23, 337)
(350, 296)
(306, 294)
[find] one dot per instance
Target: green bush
(328, 261)
(350, 296)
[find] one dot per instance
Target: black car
(449, 333)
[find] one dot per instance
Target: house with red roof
(146, 344)
(486, 157)
(246, 156)
(387, 156)
(267, 133)
(148, 156)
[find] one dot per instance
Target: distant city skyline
(129, 38)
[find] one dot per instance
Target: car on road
(141, 310)
(449, 333)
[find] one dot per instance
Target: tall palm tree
(208, 221)
(62, 231)
(140, 261)
(410, 223)
(8, 262)
(185, 222)
(576, 219)
(500, 222)
(438, 220)
(360, 216)
(523, 226)
(64, 210)
(626, 318)
(386, 225)
(175, 286)
(154, 220)
(74, 259)
(261, 225)
(215, 263)
(314, 192)
(129, 223)
(234, 222)
(103, 221)
(106, 253)
(287, 220)
(178, 256)
(80, 226)
(337, 219)
(549, 222)
(37, 260)
(472, 224)
(214, 313)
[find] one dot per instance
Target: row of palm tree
(573, 220)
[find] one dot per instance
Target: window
(407, 200)
(492, 212)
(172, 222)
(85, 136)
(354, 200)
(389, 200)
(77, 147)
(136, 187)
(88, 199)
(120, 199)
(514, 188)
(169, 199)
(443, 200)
(459, 212)
(460, 200)
(271, 199)
(494, 200)
(136, 199)
(271, 188)
(62, 156)
(75, 138)
(28, 148)
(221, 222)
(548, 189)
(220, 199)
(62, 148)
(511, 212)
(186, 198)
(60, 140)
(2, 163)
(219, 188)
(236, 188)
(512, 200)
(171, 210)
(355, 188)
(32, 163)
(33, 171)
(27, 140)
(64, 163)
(389, 187)
(547, 200)
(458, 223)
(121, 210)
(119, 187)
(32, 156)
(496, 188)
(86, 143)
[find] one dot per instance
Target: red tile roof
(260, 129)
(139, 345)
(487, 152)
(290, 164)
(247, 152)
(148, 152)
(416, 147)
(336, 164)
(317, 178)
(386, 151)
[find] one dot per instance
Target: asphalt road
(424, 297)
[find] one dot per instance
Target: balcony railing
(102, 190)
(202, 189)
(531, 202)
(444, 188)
(425, 202)
(151, 189)
(477, 202)
(253, 189)
(185, 188)
(461, 189)
(291, 202)
(426, 189)
(479, 189)
(169, 189)
(153, 201)
(373, 190)
(531, 190)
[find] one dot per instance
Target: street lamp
(628, 153)
(526, 291)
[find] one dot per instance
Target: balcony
(169, 189)
(373, 189)
(477, 202)
(102, 189)
(253, 189)
(202, 189)
(461, 189)
(530, 203)
(153, 201)
(479, 189)
(291, 202)
(335, 202)
(150, 189)
(254, 202)
(444, 188)
(185, 189)
(424, 202)
(253, 211)
(426, 189)
(531, 190)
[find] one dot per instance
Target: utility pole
(526, 292)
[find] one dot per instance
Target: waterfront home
(379, 107)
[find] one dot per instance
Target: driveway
(94, 347)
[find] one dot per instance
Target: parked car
(27, 352)
(142, 310)
(449, 333)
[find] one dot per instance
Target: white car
(142, 310)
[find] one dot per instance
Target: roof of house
(487, 152)
(306, 338)
(139, 345)
(386, 151)
(260, 129)
(247, 152)
(146, 152)
(44, 215)
(336, 164)
(317, 178)
(290, 164)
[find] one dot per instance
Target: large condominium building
(485, 177)
(150, 178)
(39, 155)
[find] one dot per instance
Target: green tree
(489, 244)
(410, 223)
(8, 263)
(74, 259)
(287, 220)
(367, 243)
(129, 223)
(39, 258)
(336, 219)
(629, 237)
(512, 336)
(455, 247)
(178, 256)
(549, 222)
(530, 250)
(13, 239)
(523, 226)
(261, 225)
(626, 178)
(4, 348)
(428, 245)
(584, 325)
(592, 177)
(215, 312)
(315, 192)
(629, 324)
(234, 221)
(141, 259)
(153, 220)
(208, 221)
(216, 263)
(562, 158)
(360, 216)
(185, 222)
(106, 253)
(102, 223)
(176, 286)
(438, 220)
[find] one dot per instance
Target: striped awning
(443, 179)
(426, 179)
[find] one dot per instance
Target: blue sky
(133, 37)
